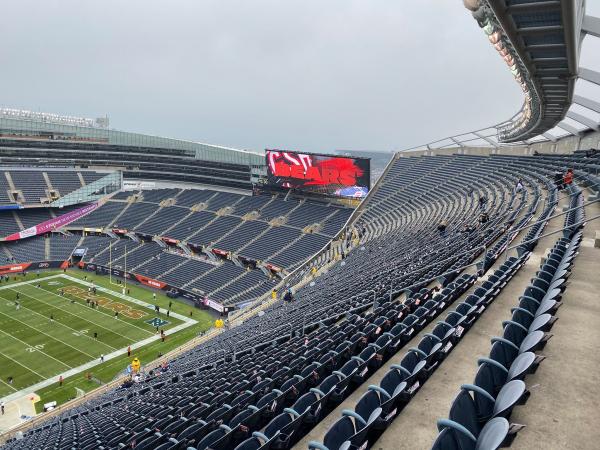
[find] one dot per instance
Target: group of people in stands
(563, 180)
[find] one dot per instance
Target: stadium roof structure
(541, 42)
(22, 124)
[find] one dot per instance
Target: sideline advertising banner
(53, 224)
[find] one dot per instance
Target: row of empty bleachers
(299, 251)
(276, 208)
(190, 225)
(94, 244)
(159, 264)
(213, 231)
(61, 247)
(162, 220)
(100, 217)
(235, 241)
(308, 214)
(215, 277)
(336, 222)
(28, 250)
(89, 176)
(138, 255)
(191, 197)
(5, 199)
(115, 250)
(158, 195)
(247, 204)
(31, 183)
(246, 281)
(270, 242)
(134, 214)
(34, 187)
(33, 216)
(257, 379)
(8, 224)
(124, 195)
(64, 182)
(188, 270)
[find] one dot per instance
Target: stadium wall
(39, 265)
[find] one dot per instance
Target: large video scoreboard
(329, 175)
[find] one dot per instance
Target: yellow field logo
(104, 302)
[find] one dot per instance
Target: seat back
(340, 432)
(464, 412)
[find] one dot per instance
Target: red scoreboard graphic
(338, 176)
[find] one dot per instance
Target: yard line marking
(56, 339)
(30, 370)
(21, 283)
(36, 349)
(98, 310)
(75, 315)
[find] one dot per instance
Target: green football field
(54, 325)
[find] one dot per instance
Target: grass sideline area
(37, 348)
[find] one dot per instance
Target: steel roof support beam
(587, 103)
(589, 75)
(534, 7)
(583, 120)
(460, 144)
(565, 126)
(591, 25)
(485, 138)
(540, 29)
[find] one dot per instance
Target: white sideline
(187, 322)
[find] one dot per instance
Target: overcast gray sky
(316, 75)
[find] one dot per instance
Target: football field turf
(48, 328)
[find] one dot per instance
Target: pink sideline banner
(53, 224)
